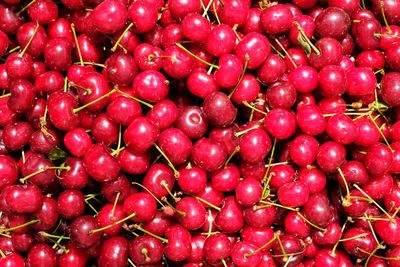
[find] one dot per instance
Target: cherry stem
(25, 7)
(91, 207)
(234, 152)
(5, 95)
(118, 150)
(278, 52)
(76, 110)
(269, 204)
(286, 52)
(353, 237)
(131, 262)
(261, 248)
(271, 156)
(115, 205)
(53, 236)
(246, 62)
(2, 254)
(387, 36)
(373, 231)
(164, 240)
(164, 184)
(285, 257)
(30, 40)
(88, 91)
(24, 179)
(113, 224)
(215, 12)
(251, 106)
(205, 202)
(238, 134)
(176, 172)
(120, 38)
(181, 213)
(309, 222)
(20, 226)
(346, 185)
(195, 56)
(380, 131)
(145, 253)
(150, 193)
(301, 31)
(91, 63)
(207, 7)
(375, 203)
(78, 49)
(382, 3)
(134, 98)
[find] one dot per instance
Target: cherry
(16, 135)
(146, 249)
(271, 69)
(175, 144)
(390, 9)
(163, 114)
(42, 254)
(229, 71)
(361, 245)
(179, 246)
(293, 194)
(254, 145)
(195, 27)
(253, 48)
(365, 33)
(290, 245)
(159, 179)
(307, 26)
(368, 134)
(81, 234)
(373, 59)
(330, 156)
(276, 19)
(12, 259)
(36, 35)
(226, 179)
(133, 163)
(143, 16)
(332, 81)
(47, 215)
(148, 57)
(391, 88)
(19, 66)
(71, 204)
(100, 164)
(43, 11)
(201, 84)
(317, 209)
(120, 187)
(177, 63)
(140, 135)
(329, 236)
(109, 16)
(217, 247)
(341, 129)
(310, 119)
(193, 213)
(8, 171)
(208, 154)
(77, 141)
(378, 159)
(151, 86)
(49, 82)
(332, 22)
(113, 251)
(24, 198)
(219, 109)
(330, 53)
(220, 41)
(303, 150)
(73, 257)
(121, 68)
(248, 192)
(379, 186)
(230, 217)
(192, 180)
(280, 123)
(242, 254)
(104, 130)
(57, 54)
(246, 90)
(360, 81)
(304, 79)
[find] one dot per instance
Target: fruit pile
(199, 133)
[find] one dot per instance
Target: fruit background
(199, 133)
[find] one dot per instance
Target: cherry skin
(195, 27)
(310, 119)
(240, 254)
(317, 209)
(12, 259)
(341, 129)
(71, 204)
(304, 79)
(57, 54)
(121, 68)
(42, 254)
(333, 22)
(229, 71)
(145, 249)
(290, 244)
(19, 66)
(123, 110)
(293, 194)
(226, 179)
(390, 85)
(16, 135)
(330, 53)
(353, 246)
(177, 63)
(276, 19)
(158, 178)
(217, 247)
(73, 257)
(25, 33)
(179, 245)
(140, 135)
(8, 171)
(192, 180)
(100, 164)
(113, 251)
(47, 215)
(194, 214)
(281, 95)
(230, 218)
(255, 48)
(175, 144)
(143, 15)
(360, 81)
(248, 192)
(221, 40)
(151, 86)
(331, 155)
(219, 109)
(280, 123)
(201, 84)
(163, 114)
(109, 16)
(81, 234)
(255, 145)
(332, 81)
(208, 154)
(78, 142)
(383, 153)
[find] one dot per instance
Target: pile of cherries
(199, 133)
